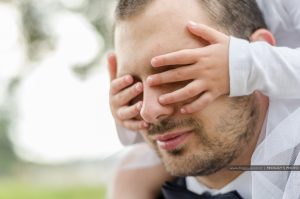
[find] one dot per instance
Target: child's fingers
(198, 104)
(205, 32)
(175, 75)
(125, 96)
(112, 65)
(135, 125)
(126, 113)
(119, 84)
(182, 57)
(191, 90)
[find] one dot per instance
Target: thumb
(210, 35)
(112, 65)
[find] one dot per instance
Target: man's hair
(237, 17)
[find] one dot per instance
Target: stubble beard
(204, 156)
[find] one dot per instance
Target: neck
(225, 176)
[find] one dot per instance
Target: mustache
(169, 124)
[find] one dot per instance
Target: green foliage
(39, 40)
(17, 190)
(7, 155)
(38, 37)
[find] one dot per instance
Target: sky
(60, 117)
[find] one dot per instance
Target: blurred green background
(16, 190)
(52, 52)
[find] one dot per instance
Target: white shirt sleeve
(275, 71)
(128, 137)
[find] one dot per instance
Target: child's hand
(207, 67)
(122, 92)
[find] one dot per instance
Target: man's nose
(152, 111)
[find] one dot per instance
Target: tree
(39, 41)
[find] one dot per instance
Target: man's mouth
(173, 140)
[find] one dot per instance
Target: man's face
(195, 144)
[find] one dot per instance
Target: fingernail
(150, 80)
(128, 79)
(146, 125)
(139, 106)
(193, 24)
(162, 100)
(154, 62)
(139, 87)
(183, 111)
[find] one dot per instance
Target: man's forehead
(157, 31)
(136, 59)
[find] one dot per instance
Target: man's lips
(171, 141)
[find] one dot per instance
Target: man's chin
(177, 164)
(183, 171)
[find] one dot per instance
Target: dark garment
(177, 190)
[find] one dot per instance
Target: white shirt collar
(242, 184)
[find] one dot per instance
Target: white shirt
(279, 145)
(273, 70)
(242, 184)
(128, 137)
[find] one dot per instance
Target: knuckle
(178, 74)
(118, 83)
(121, 98)
(114, 102)
(190, 91)
(169, 99)
(113, 82)
(120, 114)
(112, 90)
(201, 85)
(192, 70)
(132, 91)
(157, 79)
(134, 110)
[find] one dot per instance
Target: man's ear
(112, 65)
(263, 35)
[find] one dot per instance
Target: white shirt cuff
(239, 66)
